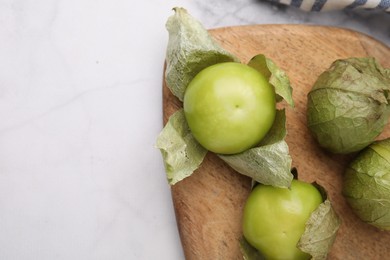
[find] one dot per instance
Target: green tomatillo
(229, 107)
(274, 218)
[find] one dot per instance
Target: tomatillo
(274, 218)
(229, 107)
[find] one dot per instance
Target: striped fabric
(328, 5)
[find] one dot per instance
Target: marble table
(80, 109)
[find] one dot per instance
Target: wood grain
(208, 205)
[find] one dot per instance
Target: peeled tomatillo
(229, 107)
(274, 218)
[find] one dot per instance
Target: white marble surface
(80, 109)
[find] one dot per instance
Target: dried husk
(348, 105)
(367, 184)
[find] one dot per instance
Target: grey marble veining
(230, 12)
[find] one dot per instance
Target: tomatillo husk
(348, 105)
(367, 184)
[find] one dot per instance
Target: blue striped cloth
(328, 5)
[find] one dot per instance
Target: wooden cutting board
(209, 204)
